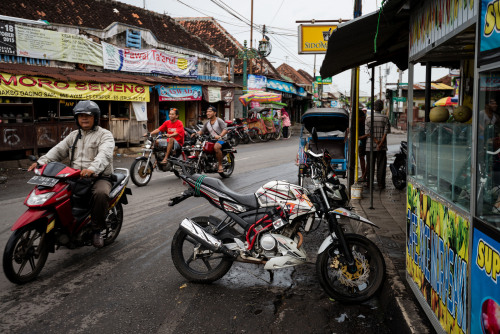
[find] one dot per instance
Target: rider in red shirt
(175, 133)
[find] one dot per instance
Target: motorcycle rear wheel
(114, 222)
(228, 164)
(140, 173)
(25, 254)
(340, 284)
(399, 180)
(234, 140)
(207, 266)
(244, 138)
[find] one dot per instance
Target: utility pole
(353, 130)
(380, 81)
(251, 31)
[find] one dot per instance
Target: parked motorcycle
(237, 132)
(58, 215)
(398, 167)
(202, 158)
(318, 165)
(266, 228)
(155, 148)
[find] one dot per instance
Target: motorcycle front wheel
(195, 262)
(234, 140)
(114, 222)
(25, 254)
(141, 172)
(339, 283)
(228, 165)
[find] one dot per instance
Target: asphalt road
(132, 286)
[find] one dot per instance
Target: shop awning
(352, 44)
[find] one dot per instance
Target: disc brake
(345, 277)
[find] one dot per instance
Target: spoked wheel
(234, 140)
(227, 164)
(265, 137)
(244, 137)
(114, 222)
(277, 134)
(253, 135)
(194, 261)
(141, 172)
(25, 254)
(344, 286)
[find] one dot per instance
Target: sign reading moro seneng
(313, 38)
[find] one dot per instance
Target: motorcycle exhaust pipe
(206, 239)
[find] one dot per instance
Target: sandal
(221, 170)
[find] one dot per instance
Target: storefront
(186, 98)
(36, 111)
(219, 97)
(453, 203)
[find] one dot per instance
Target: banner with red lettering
(38, 87)
(148, 61)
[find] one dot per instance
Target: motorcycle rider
(216, 127)
(175, 133)
(90, 149)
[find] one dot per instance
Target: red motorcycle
(201, 158)
(59, 215)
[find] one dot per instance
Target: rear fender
(31, 216)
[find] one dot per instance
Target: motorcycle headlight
(35, 199)
(147, 144)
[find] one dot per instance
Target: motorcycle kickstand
(271, 275)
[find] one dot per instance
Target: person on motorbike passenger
(216, 127)
(90, 149)
(175, 133)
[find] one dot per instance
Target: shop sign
(179, 93)
(489, 41)
(38, 87)
(148, 61)
(213, 94)
(325, 81)
(485, 274)
(489, 83)
(281, 86)
(301, 92)
(256, 82)
(227, 95)
(7, 38)
(437, 257)
(436, 20)
(53, 45)
(313, 38)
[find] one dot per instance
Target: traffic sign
(399, 99)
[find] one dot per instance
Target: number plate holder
(43, 181)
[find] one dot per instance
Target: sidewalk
(403, 312)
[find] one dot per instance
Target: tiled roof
(99, 14)
(290, 72)
(306, 75)
(221, 40)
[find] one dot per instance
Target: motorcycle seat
(116, 178)
(245, 199)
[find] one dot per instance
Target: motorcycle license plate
(43, 181)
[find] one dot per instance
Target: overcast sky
(280, 18)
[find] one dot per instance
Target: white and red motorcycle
(266, 227)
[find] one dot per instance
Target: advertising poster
(281, 86)
(148, 61)
(313, 38)
(179, 93)
(485, 292)
(256, 82)
(437, 257)
(53, 45)
(38, 87)
(7, 38)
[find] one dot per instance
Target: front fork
(334, 227)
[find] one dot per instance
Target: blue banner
(490, 24)
(179, 93)
(485, 292)
(282, 86)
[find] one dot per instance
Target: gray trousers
(99, 203)
(379, 160)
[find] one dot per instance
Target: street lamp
(264, 44)
(246, 54)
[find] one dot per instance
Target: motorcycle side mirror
(144, 126)
(32, 158)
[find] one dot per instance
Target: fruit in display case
(462, 114)
(439, 114)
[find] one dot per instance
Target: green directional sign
(325, 81)
(399, 99)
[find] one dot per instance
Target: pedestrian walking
(379, 136)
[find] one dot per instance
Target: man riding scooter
(90, 149)
(175, 133)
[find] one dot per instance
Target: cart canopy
(326, 119)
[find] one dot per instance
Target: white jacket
(94, 151)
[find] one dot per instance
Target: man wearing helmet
(90, 149)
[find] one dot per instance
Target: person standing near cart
(379, 136)
(286, 122)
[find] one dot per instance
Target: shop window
(45, 109)
(488, 149)
(66, 108)
(120, 110)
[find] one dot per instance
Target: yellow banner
(47, 88)
(314, 38)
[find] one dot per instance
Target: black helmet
(89, 108)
